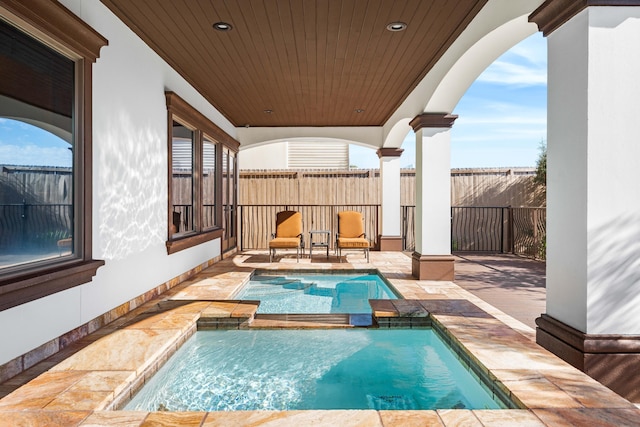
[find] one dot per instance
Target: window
(45, 151)
(196, 148)
(37, 88)
(210, 218)
(182, 166)
(229, 205)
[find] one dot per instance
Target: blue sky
(27, 145)
(502, 116)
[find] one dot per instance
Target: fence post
(23, 223)
(535, 234)
(404, 227)
(502, 231)
(241, 226)
(510, 237)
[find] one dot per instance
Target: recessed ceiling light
(359, 110)
(222, 26)
(396, 26)
(268, 111)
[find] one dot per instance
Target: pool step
(330, 320)
(241, 314)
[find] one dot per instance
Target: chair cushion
(285, 242)
(350, 224)
(288, 224)
(356, 242)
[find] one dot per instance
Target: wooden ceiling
(300, 62)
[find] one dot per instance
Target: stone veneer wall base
(610, 359)
(22, 363)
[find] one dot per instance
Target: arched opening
(502, 115)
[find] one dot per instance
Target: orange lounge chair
(351, 233)
(288, 234)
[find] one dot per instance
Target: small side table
(321, 242)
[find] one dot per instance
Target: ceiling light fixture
(359, 110)
(268, 111)
(396, 26)
(222, 26)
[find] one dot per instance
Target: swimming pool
(314, 369)
(295, 292)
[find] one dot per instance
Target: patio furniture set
(289, 235)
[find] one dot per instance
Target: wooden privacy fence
(469, 187)
(257, 222)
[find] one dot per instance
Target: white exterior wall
(129, 188)
(433, 191)
(593, 243)
(566, 174)
(270, 156)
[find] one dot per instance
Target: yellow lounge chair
(351, 233)
(288, 234)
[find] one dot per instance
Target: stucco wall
(129, 188)
(593, 225)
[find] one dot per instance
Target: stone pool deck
(81, 385)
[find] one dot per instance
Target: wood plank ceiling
(300, 62)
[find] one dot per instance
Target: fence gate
(521, 231)
(478, 229)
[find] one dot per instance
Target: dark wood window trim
(179, 110)
(57, 27)
(552, 14)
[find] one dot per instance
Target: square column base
(390, 243)
(432, 267)
(612, 360)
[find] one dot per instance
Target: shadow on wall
(497, 189)
(614, 276)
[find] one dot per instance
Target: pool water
(237, 370)
(315, 293)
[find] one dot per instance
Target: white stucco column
(593, 191)
(391, 234)
(432, 258)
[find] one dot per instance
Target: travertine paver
(128, 350)
(588, 417)
(343, 418)
(498, 418)
(219, 309)
(458, 418)
(175, 419)
(410, 418)
(115, 418)
(43, 418)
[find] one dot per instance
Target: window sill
(177, 245)
(37, 284)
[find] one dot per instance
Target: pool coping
(81, 389)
